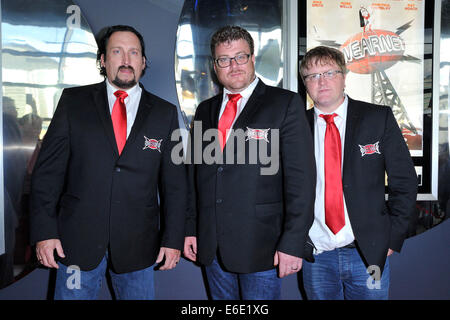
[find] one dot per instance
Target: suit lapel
(101, 104)
(215, 110)
(310, 118)
(351, 127)
(251, 106)
(141, 116)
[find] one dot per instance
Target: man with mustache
(94, 198)
(243, 224)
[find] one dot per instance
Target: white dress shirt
(320, 234)
(246, 93)
(131, 102)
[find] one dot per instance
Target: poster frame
(428, 161)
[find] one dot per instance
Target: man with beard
(94, 200)
(249, 229)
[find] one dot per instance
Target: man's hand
(390, 251)
(190, 248)
(286, 263)
(172, 256)
(45, 250)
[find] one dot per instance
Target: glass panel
(46, 46)
(444, 117)
(194, 74)
(432, 213)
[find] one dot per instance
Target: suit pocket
(371, 157)
(269, 213)
(68, 205)
(69, 201)
(141, 219)
(150, 212)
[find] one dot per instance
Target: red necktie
(119, 119)
(227, 118)
(334, 201)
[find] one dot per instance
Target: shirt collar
(246, 93)
(341, 111)
(131, 91)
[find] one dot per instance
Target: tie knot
(329, 118)
(121, 94)
(234, 97)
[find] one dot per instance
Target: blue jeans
(225, 285)
(74, 284)
(341, 274)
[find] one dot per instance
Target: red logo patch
(152, 144)
(369, 149)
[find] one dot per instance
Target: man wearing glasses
(354, 228)
(242, 223)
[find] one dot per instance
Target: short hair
(322, 55)
(228, 34)
(102, 42)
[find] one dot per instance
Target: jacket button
(220, 169)
(117, 169)
(219, 201)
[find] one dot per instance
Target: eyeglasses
(314, 77)
(226, 62)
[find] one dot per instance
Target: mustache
(126, 68)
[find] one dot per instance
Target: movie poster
(383, 44)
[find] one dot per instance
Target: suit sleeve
(47, 181)
(402, 182)
(299, 178)
(173, 193)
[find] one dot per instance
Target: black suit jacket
(237, 211)
(90, 198)
(377, 225)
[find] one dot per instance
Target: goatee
(124, 84)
